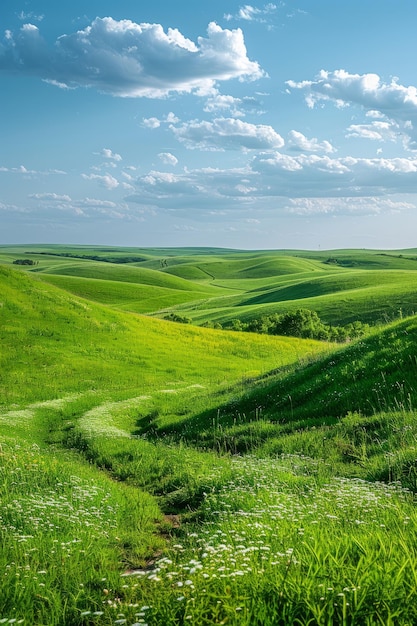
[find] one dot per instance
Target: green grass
(339, 298)
(220, 285)
(124, 273)
(369, 376)
(138, 298)
(161, 473)
(68, 533)
(51, 339)
(282, 546)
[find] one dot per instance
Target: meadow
(162, 473)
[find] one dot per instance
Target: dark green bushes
(174, 317)
(301, 323)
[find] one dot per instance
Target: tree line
(301, 323)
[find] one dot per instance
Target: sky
(270, 125)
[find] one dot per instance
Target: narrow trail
(100, 420)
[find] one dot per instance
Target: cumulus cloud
(168, 158)
(365, 89)
(392, 100)
(218, 102)
(154, 122)
(313, 175)
(108, 154)
(376, 131)
(123, 58)
(151, 122)
(106, 180)
(227, 133)
(297, 141)
(271, 177)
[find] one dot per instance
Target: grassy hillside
(371, 297)
(138, 298)
(369, 376)
(214, 285)
(161, 473)
(51, 339)
(247, 266)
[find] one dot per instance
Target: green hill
(339, 298)
(155, 473)
(215, 285)
(53, 343)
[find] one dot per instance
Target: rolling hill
(154, 472)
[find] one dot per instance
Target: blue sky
(286, 124)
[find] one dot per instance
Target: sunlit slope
(246, 266)
(132, 288)
(124, 273)
(138, 298)
(371, 376)
(53, 343)
(378, 373)
(367, 259)
(339, 298)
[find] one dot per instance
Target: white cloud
(107, 181)
(313, 175)
(154, 122)
(25, 172)
(23, 16)
(250, 13)
(346, 206)
(217, 102)
(108, 154)
(236, 107)
(364, 89)
(151, 122)
(297, 141)
(94, 202)
(168, 158)
(56, 83)
(123, 58)
(12, 208)
(18, 170)
(227, 133)
(54, 197)
(272, 179)
(376, 131)
(379, 99)
(374, 114)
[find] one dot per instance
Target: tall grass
(67, 534)
(160, 474)
(281, 545)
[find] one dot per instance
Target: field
(159, 473)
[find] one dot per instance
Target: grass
(65, 536)
(219, 285)
(280, 545)
(339, 298)
(52, 339)
(160, 473)
(138, 298)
